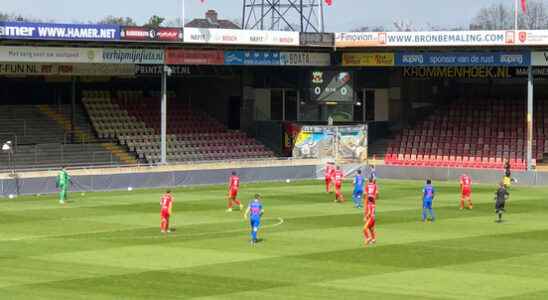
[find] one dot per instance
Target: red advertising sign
(151, 34)
(194, 57)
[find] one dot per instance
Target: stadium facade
(470, 99)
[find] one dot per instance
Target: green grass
(108, 246)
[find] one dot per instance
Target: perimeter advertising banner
(378, 59)
(43, 69)
(50, 54)
(431, 38)
(66, 32)
(509, 59)
(472, 72)
(133, 56)
(194, 57)
(162, 34)
(240, 37)
(532, 37)
(156, 70)
(252, 58)
(305, 59)
(539, 58)
(334, 142)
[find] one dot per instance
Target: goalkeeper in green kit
(63, 180)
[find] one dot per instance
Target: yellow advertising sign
(368, 59)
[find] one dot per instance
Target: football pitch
(108, 246)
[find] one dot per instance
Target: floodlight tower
(289, 15)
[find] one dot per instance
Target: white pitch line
(172, 235)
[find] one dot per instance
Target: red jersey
(338, 177)
(370, 210)
(371, 190)
(465, 182)
(234, 182)
(166, 203)
(329, 171)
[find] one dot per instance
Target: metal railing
(116, 165)
(39, 156)
(19, 123)
(72, 137)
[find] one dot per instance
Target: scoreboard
(331, 86)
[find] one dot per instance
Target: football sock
(254, 233)
(432, 216)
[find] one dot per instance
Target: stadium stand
(42, 138)
(472, 133)
(134, 120)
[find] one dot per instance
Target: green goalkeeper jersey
(63, 178)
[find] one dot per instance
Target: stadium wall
(446, 174)
(172, 179)
(146, 180)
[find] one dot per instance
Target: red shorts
(338, 185)
(327, 180)
(466, 193)
(370, 223)
(233, 193)
(164, 214)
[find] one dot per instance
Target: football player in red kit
(338, 179)
(371, 191)
(329, 173)
(466, 191)
(166, 204)
(233, 187)
(369, 219)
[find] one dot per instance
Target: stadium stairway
(83, 131)
(43, 142)
(26, 124)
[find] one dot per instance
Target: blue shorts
(357, 194)
(427, 204)
(255, 222)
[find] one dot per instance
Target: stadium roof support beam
(293, 15)
(163, 136)
(530, 79)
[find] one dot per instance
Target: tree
(112, 20)
(369, 29)
(155, 21)
(4, 17)
(501, 17)
(536, 16)
(494, 17)
(402, 25)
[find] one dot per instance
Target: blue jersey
(428, 193)
(255, 209)
(358, 183)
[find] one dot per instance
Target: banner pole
(516, 15)
(183, 14)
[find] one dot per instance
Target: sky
(344, 15)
